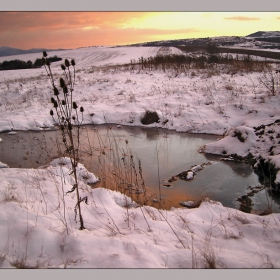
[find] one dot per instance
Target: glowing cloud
(90, 27)
(242, 18)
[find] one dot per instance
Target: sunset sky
(27, 30)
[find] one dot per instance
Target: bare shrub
(209, 258)
(9, 195)
(20, 262)
(270, 79)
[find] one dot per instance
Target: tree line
(19, 64)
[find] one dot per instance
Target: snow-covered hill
(264, 34)
(97, 56)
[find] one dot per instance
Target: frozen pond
(112, 152)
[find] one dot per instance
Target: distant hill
(7, 51)
(257, 40)
(266, 37)
(265, 34)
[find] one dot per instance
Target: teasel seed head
(45, 54)
(75, 106)
(73, 118)
(67, 64)
(63, 67)
(63, 102)
(55, 91)
(65, 89)
(62, 82)
(52, 100)
(73, 62)
(81, 109)
(55, 105)
(51, 112)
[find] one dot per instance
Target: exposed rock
(172, 179)
(190, 203)
(190, 173)
(150, 117)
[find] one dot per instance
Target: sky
(26, 30)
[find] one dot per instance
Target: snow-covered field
(37, 219)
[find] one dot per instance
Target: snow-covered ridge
(265, 34)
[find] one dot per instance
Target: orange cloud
(68, 38)
(29, 21)
(241, 18)
(76, 29)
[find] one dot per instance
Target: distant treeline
(19, 64)
(210, 60)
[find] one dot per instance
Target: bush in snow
(270, 79)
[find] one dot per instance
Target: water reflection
(162, 154)
(239, 168)
(150, 134)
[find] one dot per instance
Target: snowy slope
(38, 229)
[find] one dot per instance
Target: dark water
(107, 150)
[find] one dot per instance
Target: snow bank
(38, 228)
(239, 141)
(82, 173)
(3, 165)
